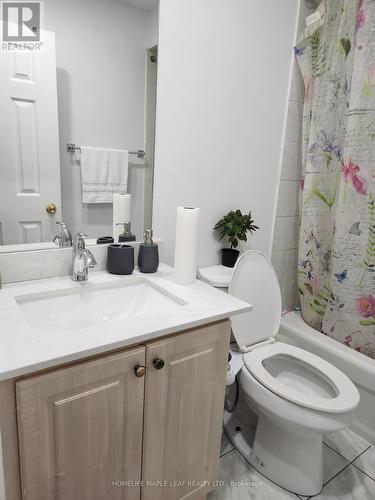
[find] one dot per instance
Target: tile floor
(349, 472)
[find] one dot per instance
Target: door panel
(29, 143)
(184, 403)
(80, 430)
(31, 231)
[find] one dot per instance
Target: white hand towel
(104, 172)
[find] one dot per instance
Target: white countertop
(26, 349)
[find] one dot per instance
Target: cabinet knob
(158, 363)
(139, 370)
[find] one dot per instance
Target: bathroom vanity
(112, 389)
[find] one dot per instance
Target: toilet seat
(347, 396)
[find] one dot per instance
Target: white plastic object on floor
(231, 376)
(235, 364)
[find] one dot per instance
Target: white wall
(101, 61)
(223, 79)
(152, 35)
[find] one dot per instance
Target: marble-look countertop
(26, 348)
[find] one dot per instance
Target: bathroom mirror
(88, 81)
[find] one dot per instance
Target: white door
(29, 144)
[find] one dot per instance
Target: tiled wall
(286, 233)
(285, 240)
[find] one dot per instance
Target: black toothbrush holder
(120, 259)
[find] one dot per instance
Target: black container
(120, 259)
(105, 239)
(229, 257)
(148, 258)
(125, 237)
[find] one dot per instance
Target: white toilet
(297, 395)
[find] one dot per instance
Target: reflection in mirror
(91, 84)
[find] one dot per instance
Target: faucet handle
(90, 260)
(57, 240)
(64, 236)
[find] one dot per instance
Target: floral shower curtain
(336, 269)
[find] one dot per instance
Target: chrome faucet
(83, 259)
(64, 238)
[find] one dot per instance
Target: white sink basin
(87, 305)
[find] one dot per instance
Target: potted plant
(234, 226)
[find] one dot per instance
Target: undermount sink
(88, 305)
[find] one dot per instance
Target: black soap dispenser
(127, 234)
(148, 256)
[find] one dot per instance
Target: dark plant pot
(229, 256)
(120, 259)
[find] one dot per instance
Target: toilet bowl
(296, 395)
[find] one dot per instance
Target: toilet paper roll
(121, 213)
(186, 250)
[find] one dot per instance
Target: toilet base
(291, 459)
(240, 433)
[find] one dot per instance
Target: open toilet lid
(254, 280)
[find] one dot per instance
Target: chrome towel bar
(71, 148)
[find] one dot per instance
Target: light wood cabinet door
(184, 402)
(80, 430)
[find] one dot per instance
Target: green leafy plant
(318, 54)
(234, 226)
(369, 258)
(345, 45)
